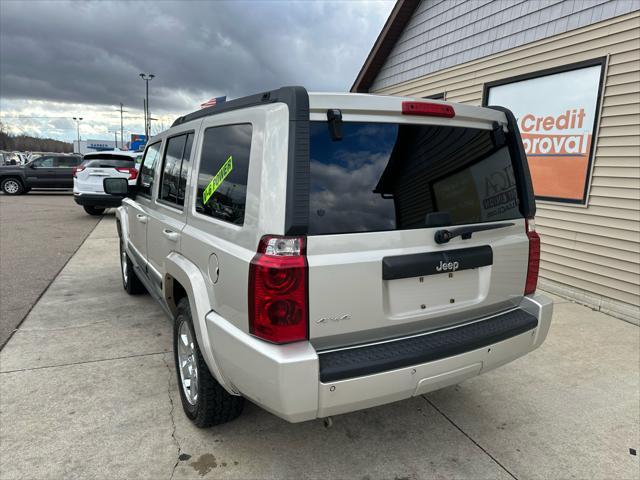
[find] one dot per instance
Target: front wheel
(12, 186)
(204, 400)
(130, 280)
(93, 210)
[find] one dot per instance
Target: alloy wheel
(187, 363)
(11, 186)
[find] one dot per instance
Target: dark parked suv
(48, 171)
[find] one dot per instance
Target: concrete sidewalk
(40, 232)
(87, 390)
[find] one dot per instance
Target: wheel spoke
(185, 370)
(125, 272)
(194, 385)
(187, 387)
(187, 364)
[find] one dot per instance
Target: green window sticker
(217, 180)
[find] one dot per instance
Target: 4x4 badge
(337, 318)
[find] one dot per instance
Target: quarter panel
(235, 245)
(189, 276)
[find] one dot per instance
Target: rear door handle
(141, 218)
(171, 235)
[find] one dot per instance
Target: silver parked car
(324, 253)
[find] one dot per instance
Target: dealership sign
(137, 141)
(557, 115)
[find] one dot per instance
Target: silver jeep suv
(324, 253)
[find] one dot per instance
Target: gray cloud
(92, 52)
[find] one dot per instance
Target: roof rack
(292, 96)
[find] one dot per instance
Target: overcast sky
(65, 59)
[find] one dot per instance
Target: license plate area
(94, 180)
(434, 293)
(433, 282)
(97, 175)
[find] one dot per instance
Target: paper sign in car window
(217, 180)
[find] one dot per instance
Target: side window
(171, 169)
(66, 162)
(147, 169)
(44, 162)
(224, 168)
(175, 167)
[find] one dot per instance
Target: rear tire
(12, 186)
(205, 402)
(94, 210)
(130, 280)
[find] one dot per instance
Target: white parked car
(95, 167)
(324, 253)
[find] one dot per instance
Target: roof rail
(288, 95)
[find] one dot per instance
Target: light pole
(147, 77)
(121, 126)
(78, 120)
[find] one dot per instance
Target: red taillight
(133, 173)
(427, 109)
(278, 292)
(534, 257)
(76, 170)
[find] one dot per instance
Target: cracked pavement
(171, 385)
(88, 390)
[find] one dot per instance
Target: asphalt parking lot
(38, 234)
(88, 390)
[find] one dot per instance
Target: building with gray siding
(483, 51)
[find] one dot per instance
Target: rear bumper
(96, 200)
(297, 383)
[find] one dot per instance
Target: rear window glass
(107, 163)
(391, 177)
(98, 156)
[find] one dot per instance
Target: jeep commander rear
(324, 253)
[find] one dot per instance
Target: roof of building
(421, 38)
(393, 28)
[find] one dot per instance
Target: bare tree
(6, 141)
(27, 143)
(158, 127)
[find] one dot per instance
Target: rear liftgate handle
(171, 235)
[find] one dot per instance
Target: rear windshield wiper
(443, 236)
